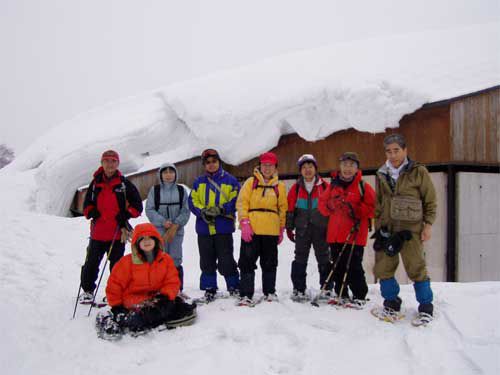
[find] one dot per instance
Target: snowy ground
(41, 257)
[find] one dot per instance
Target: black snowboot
(394, 304)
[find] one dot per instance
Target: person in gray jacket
(167, 209)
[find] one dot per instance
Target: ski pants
(412, 254)
(95, 252)
(355, 280)
(313, 236)
(154, 313)
(174, 249)
(265, 247)
(216, 253)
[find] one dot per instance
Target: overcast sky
(63, 57)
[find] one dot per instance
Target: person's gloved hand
(381, 237)
(170, 233)
(207, 216)
(280, 238)
(122, 218)
(290, 235)
(246, 230)
(396, 241)
(119, 313)
(215, 211)
(125, 235)
(94, 214)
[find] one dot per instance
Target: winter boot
(107, 328)
(245, 301)
(299, 296)
(325, 295)
(271, 297)
(86, 298)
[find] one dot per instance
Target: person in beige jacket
(262, 205)
(404, 214)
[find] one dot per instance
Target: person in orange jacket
(350, 204)
(143, 286)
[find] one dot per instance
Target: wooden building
(459, 141)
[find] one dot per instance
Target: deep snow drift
(367, 85)
(41, 258)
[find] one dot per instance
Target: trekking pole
(348, 265)
(77, 298)
(330, 275)
(108, 254)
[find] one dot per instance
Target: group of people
(334, 218)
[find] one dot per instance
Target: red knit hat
(269, 157)
(110, 154)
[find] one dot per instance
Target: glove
(336, 203)
(122, 218)
(246, 230)
(207, 216)
(214, 211)
(94, 214)
(396, 241)
(280, 238)
(381, 236)
(169, 235)
(290, 235)
(119, 309)
(125, 236)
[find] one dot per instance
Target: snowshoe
(107, 328)
(357, 304)
(183, 296)
(324, 295)
(299, 297)
(271, 297)
(184, 321)
(422, 319)
(246, 301)
(387, 314)
(337, 301)
(86, 298)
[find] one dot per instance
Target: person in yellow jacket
(262, 205)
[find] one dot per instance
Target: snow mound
(367, 85)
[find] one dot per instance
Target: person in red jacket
(111, 200)
(350, 204)
(143, 286)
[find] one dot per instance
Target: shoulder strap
(181, 195)
(362, 188)
(157, 196)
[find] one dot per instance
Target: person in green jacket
(404, 214)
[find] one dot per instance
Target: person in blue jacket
(213, 202)
(167, 209)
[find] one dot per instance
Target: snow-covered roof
(367, 85)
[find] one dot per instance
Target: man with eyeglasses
(213, 202)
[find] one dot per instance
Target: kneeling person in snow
(111, 200)
(143, 286)
(309, 225)
(349, 204)
(167, 209)
(406, 209)
(262, 207)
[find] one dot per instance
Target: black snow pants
(313, 236)
(356, 280)
(96, 250)
(265, 247)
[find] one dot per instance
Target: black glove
(381, 237)
(122, 218)
(396, 241)
(207, 216)
(119, 309)
(214, 211)
(94, 214)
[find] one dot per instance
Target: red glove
(290, 235)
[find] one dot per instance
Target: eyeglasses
(212, 161)
(209, 152)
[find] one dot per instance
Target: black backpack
(157, 197)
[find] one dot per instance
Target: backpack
(256, 185)
(157, 197)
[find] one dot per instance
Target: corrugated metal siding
(475, 128)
